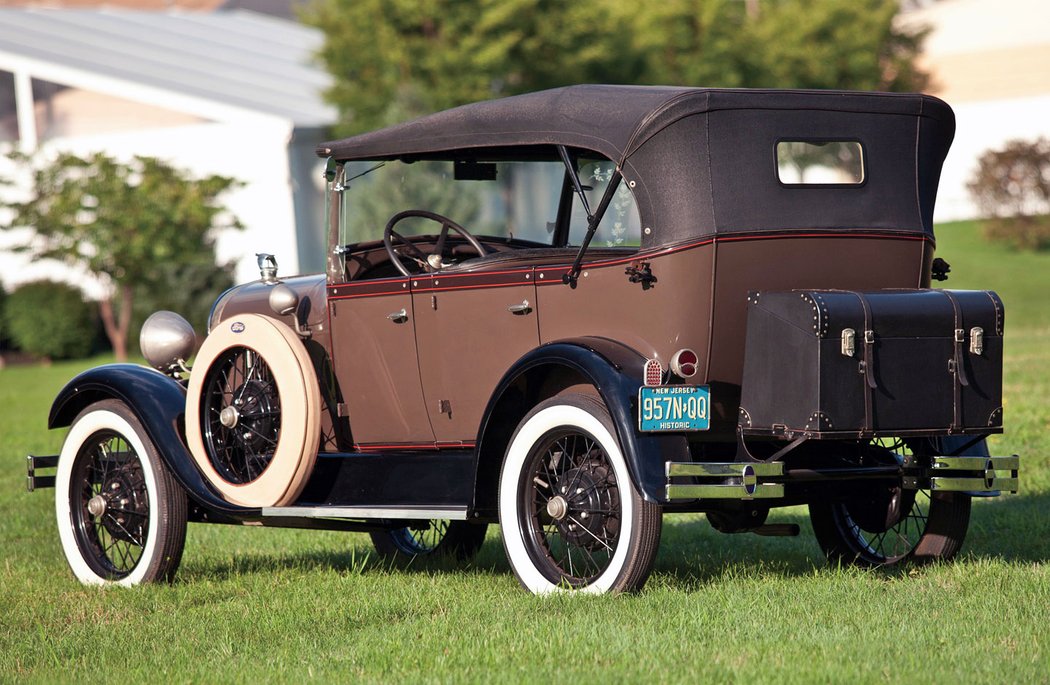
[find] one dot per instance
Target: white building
(231, 92)
(990, 60)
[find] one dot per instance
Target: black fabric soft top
(612, 120)
(701, 161)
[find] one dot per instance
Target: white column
(25, 111)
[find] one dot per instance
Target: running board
(727, 480)
(376, 512)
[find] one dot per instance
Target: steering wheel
(431, 262)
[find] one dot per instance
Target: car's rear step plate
(374, 512)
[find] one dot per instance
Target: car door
(470, 328)
(374, 348)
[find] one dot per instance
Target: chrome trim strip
(375, 512)
(1010, 463)
(724, 469)
(973, 484)
(737, 491)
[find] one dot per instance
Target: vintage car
(569, 312)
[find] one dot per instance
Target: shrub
(5, 336)
(50, 320)
(187, 290)
(1011, 188)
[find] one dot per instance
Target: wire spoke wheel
(571, 502)
(888, 524)
(109, 505)
(437, 537)
(570, 514)
(425, 540)
(241, 410)
(121, 516)
(897, 541)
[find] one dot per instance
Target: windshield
(511, 201)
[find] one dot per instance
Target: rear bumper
(980, 476)
(724, 480)
(34, 481)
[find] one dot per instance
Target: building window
(8, 111)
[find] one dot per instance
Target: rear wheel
(439, 537)
(570, 515)
(891, 525)
(121, 515)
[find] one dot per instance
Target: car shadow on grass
(1012, 528)
(692, 554)
(358, 558)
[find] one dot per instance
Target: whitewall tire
(570, 515)
(121, 516)
(253, 411)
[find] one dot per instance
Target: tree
(396, 59)
(847, 44)
(691, 42)
(126, 223)
(1011, 187)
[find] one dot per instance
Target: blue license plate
(674, 408)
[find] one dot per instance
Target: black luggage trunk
(838, 363)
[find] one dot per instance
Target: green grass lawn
(266, 605)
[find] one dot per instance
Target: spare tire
(253, 416)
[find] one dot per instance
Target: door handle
(523, 308)
(400, 316)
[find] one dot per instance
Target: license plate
(674, 408)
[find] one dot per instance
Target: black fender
(159, 403)
(615, 370)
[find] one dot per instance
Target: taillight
(654, 372)
(684, 363)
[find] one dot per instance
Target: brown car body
(433, 359)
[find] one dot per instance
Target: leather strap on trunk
(958, 363)
(869, 364)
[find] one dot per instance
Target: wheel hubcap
(96, 506)
(557, 508)
(229, 416)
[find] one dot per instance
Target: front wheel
(570, 515)
(121, 515)
(456, 539)
(891, 525)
